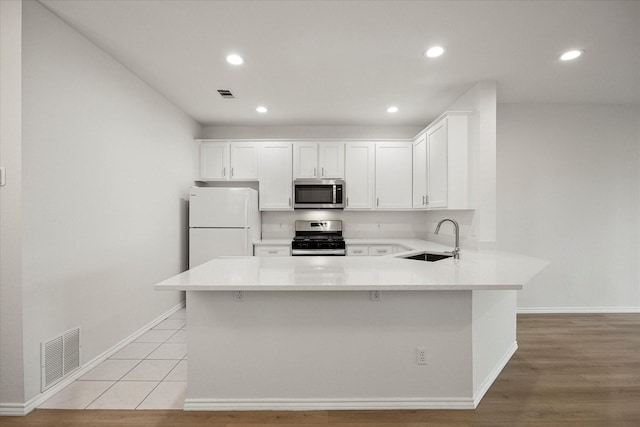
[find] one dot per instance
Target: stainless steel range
(318, 238)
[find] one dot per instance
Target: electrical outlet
(421, 355)
(239, 296)
(376, 295)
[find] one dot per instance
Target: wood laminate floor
(569, 370)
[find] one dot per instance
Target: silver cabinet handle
(323, 171)
(424, 200)
(289, 201)
(347, 201)
(314, 172)
(231, 171)
(377, 201)
(224, 171)
(272, 252)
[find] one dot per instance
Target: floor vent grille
(60, 357)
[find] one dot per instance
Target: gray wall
(11, 367)
(569, 191)
(107, 162)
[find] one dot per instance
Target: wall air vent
(226, 93)
(60, 356)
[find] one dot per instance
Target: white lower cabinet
(369, 250)
(357, 250)
(378, 250)
(272, 250)
(275, 175)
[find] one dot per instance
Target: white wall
(311, 132)
(11, 367)
(107, 162)
(569, 191)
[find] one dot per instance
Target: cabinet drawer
(380, 250)
(272, 251)
(357, 250)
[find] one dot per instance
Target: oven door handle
(295, 252)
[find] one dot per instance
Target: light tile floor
(149, 373)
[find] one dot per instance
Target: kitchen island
(289, 333)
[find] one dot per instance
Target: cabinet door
(272, 250)
(331, 159)
(393, 175)
(379, 250)
(420, 172)
(275, 176)
(357, 250)
(244, 161)
(359, 175)
(437, 165)
(214, 161)
(305, 159)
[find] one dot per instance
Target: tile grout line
(166, 375)
(157, 385)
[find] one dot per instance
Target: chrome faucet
(456, 250)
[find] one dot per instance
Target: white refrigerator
(222, 222)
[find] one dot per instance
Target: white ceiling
(345, 62)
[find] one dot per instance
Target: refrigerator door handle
(246, 209)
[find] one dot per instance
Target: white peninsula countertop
(475, 270)
(296, 326)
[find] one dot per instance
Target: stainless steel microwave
(318, 194)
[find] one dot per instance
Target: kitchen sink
(426, 256)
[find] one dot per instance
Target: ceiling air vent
(226, 93)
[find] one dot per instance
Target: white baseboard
(270, 404)
(488, 381)
(576, 310)
(22, 409)
(13, 409)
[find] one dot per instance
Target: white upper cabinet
(275, 174)
(437, 165)
(420, 172)
(394, 177)
(359, 175)
(331, 159)
(448, 162)
(224, 161)
(244, 161)
(214, 161)
(305, 160)
(318, 159)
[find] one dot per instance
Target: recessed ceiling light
(262, 109)
(235, 59)
(392, 109)
(571, 54)
(434, 52)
